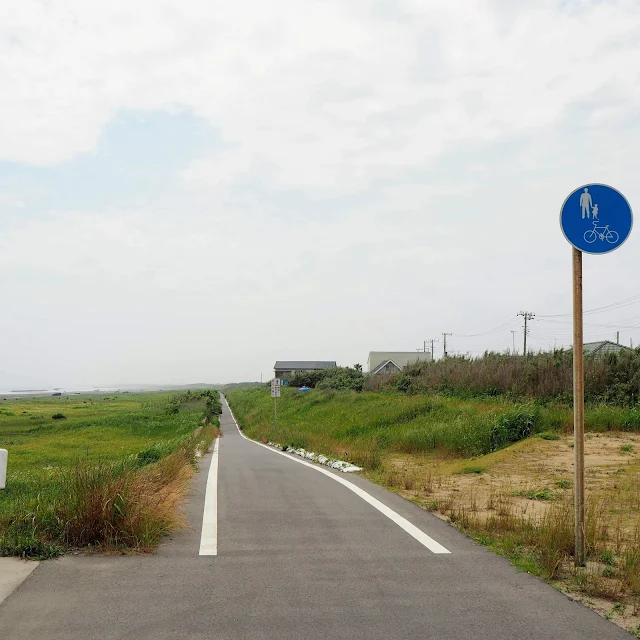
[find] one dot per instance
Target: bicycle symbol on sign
(604, 233)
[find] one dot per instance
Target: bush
(513, 427)
(546, 376)
(58, 416)
(404, 384)
(473, 469)
(342, 378)
(548, 435)
(154, 453)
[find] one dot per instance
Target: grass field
(500, 471)
(367, 426)
(77, 466)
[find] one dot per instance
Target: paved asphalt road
(299, 557)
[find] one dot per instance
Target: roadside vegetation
(367, 426)
(499, 469)
(546, 376)
(342, 378)
(109, 474)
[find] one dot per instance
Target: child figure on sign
(595, 212)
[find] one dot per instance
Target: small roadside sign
(596, 218)
(275, 394)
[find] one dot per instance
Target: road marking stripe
(209, 536)
(402, 522)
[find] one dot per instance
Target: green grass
(534, 494)
(106, 436)
(366, 426)
(473, 469)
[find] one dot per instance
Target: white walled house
(394, 361)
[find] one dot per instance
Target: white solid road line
(209, 536)
(402, 522)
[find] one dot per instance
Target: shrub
(513, 427)
(342, 378)
(614, 379)
(404, 383)
(154, 453)
(58, 416)
(473, 469)
(535, 494)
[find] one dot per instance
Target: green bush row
(343, 378)
(613, 378)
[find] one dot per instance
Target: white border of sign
(595, 184)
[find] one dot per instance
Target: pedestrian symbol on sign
(585, 203)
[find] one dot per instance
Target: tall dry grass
(125, 505)
(121, 506)
(614, 379)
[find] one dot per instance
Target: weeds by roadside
(126, 503)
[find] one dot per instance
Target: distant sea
(70, 390)
(130, 388)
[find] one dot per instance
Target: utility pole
(513, 340)
(527, 315)
(431, 340)
(444, 336)
(617, 337)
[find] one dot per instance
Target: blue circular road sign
(596, 218)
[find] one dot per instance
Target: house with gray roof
(284, 369)
(602, 348)
(394, 361)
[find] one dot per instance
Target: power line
(627, 302)
(626, 324)
(490, 331)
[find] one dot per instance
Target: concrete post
(4, 454)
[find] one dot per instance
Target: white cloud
(392, 170)
(317, 93)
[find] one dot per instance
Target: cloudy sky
(192, 189)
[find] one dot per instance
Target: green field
(367, 426)
(100, 442)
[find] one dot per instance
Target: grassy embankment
(471, 461)
(110, 473)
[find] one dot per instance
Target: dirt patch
(532, 475)
(520, 501)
